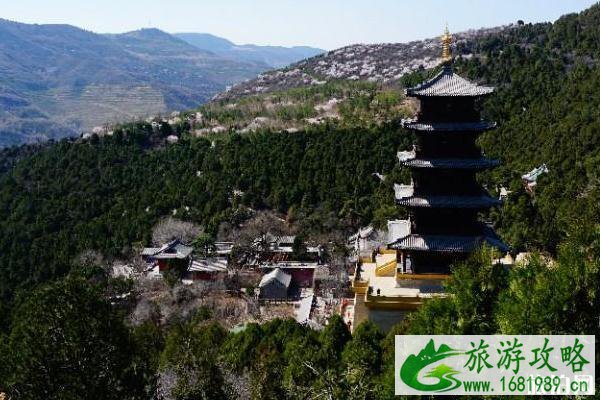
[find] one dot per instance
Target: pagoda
(396, 271)
(444, 200)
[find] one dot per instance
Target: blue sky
(327, 24)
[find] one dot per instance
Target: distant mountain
(273, 56)
(206, 41)
(59, 80)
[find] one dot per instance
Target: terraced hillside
(58, 80)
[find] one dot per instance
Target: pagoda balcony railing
(436, 201)
(374, 297)
(478, 163)
(450, 126)
(407, 299)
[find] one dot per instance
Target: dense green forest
(106, 193)
(547, 108)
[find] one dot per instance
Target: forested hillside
(111, 191)
(106, 193)
(547, 107)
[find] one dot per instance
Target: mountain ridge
(274, 56)
(59, 80)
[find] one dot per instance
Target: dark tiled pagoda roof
(428, 201)
(448, 84)
(447, 243)
(409, 159)
(478, 126)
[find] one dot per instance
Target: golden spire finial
(446, 42)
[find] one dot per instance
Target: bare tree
(167, 380)
(332, 279)
(95, 259)
(91, 258)
(240, 384)
(256, 234)
(145, 310)
(226, 231)
(169, 229)
(137, 263)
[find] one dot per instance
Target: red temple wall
(303, 277)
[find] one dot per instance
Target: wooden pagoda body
(444, 199)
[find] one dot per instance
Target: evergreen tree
(66, 343)
(188, 365)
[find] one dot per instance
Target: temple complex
(444, 200)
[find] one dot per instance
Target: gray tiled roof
(478, 126)
(398, 229)
(535, 173)
(482, 201)
(363, 233)
(276, 274)
(209, 265)
(447, 243)
(171, 250)
(447, 83)
(283, 265)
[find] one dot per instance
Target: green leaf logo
(413, 365)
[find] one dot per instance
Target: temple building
(172, 255)
(444, 200)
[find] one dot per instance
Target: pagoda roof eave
(448, 84)
(447, 243)
(480, 94)
(436, 201)
(450, 163)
